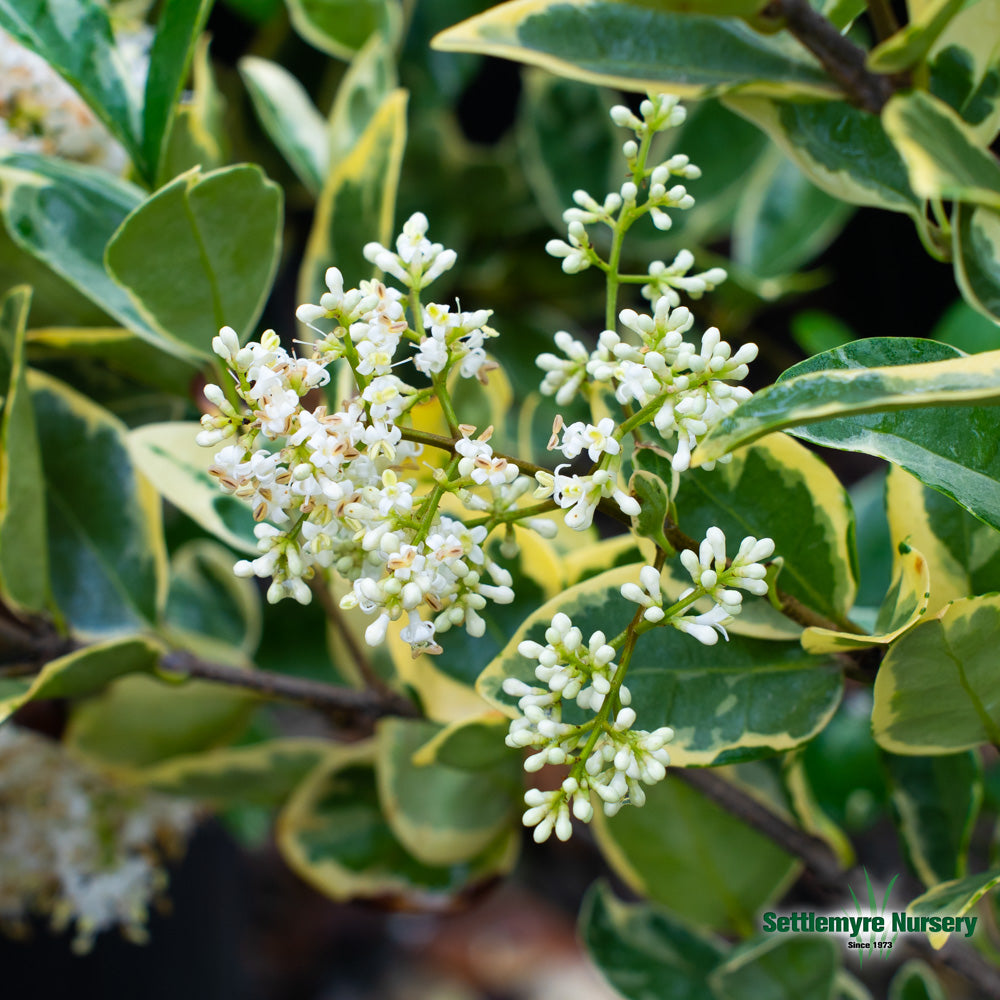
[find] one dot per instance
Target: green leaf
(776, 489)
(442, 815)
(218, 237)
(905, 604)
(964, 67)
(840, 148)
(893, 375)
(469, 745)
(631, 48)
(63, 214)
(75, 38)
(941, 154)
(936, 801)
(207, 599)
(808, 812)
(912, 43)
(106, 550)
(357, 202)
(937, 691)
(180, 23)
(915, 981)
(197, 135)
(333, 835)
(954, 898)
(83, 672)
(678, 849)
(803, 967)
(24, 548)
(738, 699)
(962, 553)
(645, 952)
(654, 499)
(168, 456)
(784, 220)
(976, 254)
(341, 27)
(139, 721)
(263, 774)
(290, 118)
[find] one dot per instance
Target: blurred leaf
(784, 220)
(937, 691)
(261, 774)
(197, 136)
(815, 331)
(63, 214)
(178, 27)
(82, 672)
(24, 547)
(442, 815)
(807, 810)
(976, 254)
(843, 766)
(631, 48)
(567, 142)
(739, 699)
(106, 549)
(840, 148)
(290, 118)
(678, 849)
(115, 350)
(941, 155)
(341, 27)
(168, 456)
(332, 834)
(936, 801)
(875, 547)
(473, 745)
(963, 327)
(206, 598)
(645, 951)
(911, 44)
(139, 721)
(368, 81)
(357, 202)
(893, 375)
(953, 898)
(803, 967)
(809, 515)
(904, 605)
(915, 981)
(217, 236)
(964, 67)
(75, 38)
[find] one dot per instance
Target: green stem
(430, 504)
(518, 514)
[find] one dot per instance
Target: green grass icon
(873, 937)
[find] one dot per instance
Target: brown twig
(337, 702)
(841, 58)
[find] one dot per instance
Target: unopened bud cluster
(609, 758)
(681, 388)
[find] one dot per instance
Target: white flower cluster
(76, 848)
(335, 489)
(611, 759)
(41, 113)
(607, 757)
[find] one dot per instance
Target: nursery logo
(870, 930)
